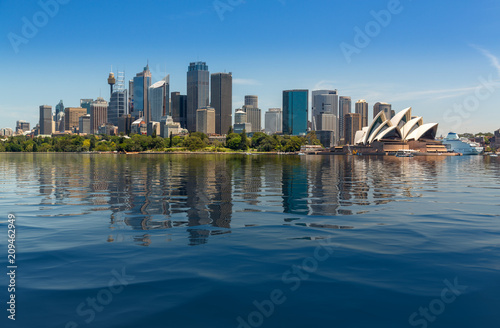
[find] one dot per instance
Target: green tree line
(195, 141)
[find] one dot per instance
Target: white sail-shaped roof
(387, 124)
(375, 124)
(401, 118)
(390, 133)
(426, 131)
(412, 125)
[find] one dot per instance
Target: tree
(171, 140)
(230, 130)
(234, 142)
(194, 143)
(244, 140)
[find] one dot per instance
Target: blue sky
(440, 58)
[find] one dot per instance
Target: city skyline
(415, 59)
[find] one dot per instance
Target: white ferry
(461, 145)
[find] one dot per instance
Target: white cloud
(493, 59)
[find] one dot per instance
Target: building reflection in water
(201, 192)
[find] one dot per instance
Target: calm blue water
(252, 241)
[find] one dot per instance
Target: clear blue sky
(430, 55)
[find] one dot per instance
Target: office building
(179, 108)
(118, 103)
(22, 126)
(273, 121)
(383, 107)
(45, 122)
(324, 102)
(295, 112)
(198, 87)
(72, 117)
(254, 117)
(159, 94)
(205, 120)
(85, 103)
(59, 108)
(242, 127)
(153, 128)
(222, 101)
(240, 117)
(345, 107)
(168, 126)
(141, 84)
(124, 124)
(6, 132)
(352, 125)
(361, 108)
(84, 124)
(98, 114)
(252, 101)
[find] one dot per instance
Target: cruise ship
(461, 145)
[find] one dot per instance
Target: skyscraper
(273, 121)
(252, 101)
(118, 104)
(383, 107)
(159, 99)
(179, 109)
(324, 102)
(205, 120)
(352, 125)
(345, 107)
(198, 87)
(45, 120)
(59, 108)
(254, 117)
(84, 124)
(295, 111)
(98, 114)
(361, 108)
(22, 126)
(222, 101)
(141, 84)
(72, 116)
(85, 103)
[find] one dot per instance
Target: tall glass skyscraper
(345, 107)
(141, 84)
(222, 101)
(295, 111)
(198, 88)
(159, 94)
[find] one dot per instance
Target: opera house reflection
(209, 195)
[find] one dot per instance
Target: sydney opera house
(403, 131)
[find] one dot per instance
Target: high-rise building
(240, 117)
(361, 108)
(179, 108)
(22, 126)
(141, 84)
(222, 101)
(84, 124)
(85, 103)
(159, 94)
(118, 103)
(124, 124)
(59, 108)
(72, 117)
(252, 101)
(295, 111)
(254, 117)
(323, 101)
(352, 125)
(98, 114)
(205, 120)
(273, 121)
(45, 122)
(198, 87)
(345, 107)
(383, 107)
